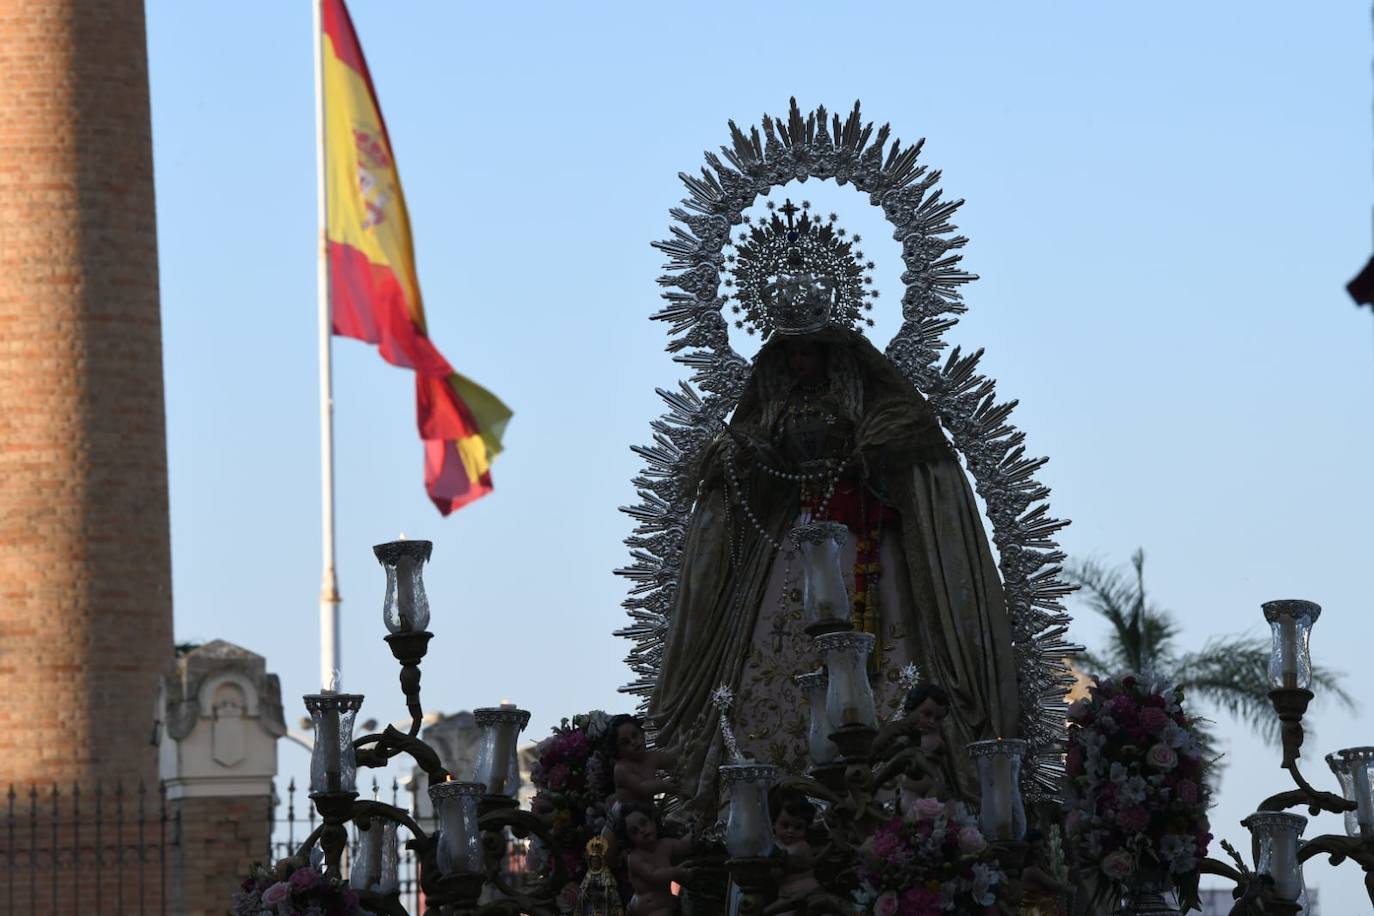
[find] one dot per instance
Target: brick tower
(85, 568)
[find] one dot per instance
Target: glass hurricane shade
(1002, 813)
(460, 842)
(405, 609)
(848, 696)
(333, 766)
(365, 869)
(1290, 663)
(814, 687)
(748, 823)
(825, 599)
(1354, 768)
(498, 760)
(1276, 850)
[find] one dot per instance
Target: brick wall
(220, 839)
(85, 595)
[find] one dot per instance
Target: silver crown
(795, 274)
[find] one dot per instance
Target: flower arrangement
(573, 777)
(293, 889)
(1136, 782)
(931, 861)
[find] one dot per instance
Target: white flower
(1092, 741)
(1179, 851)
(1134, 789)
(984, 879)
(1118, 772)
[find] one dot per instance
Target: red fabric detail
(442, 414)
(446, 479)
(368, 304)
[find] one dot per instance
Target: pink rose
(927, 809)
(887, 904)
(277, 893)
(1133, 819)
(304, 879)
(1187, 791)
(971, 841)
(887, 845)
(1118, 865)
(1162, 757)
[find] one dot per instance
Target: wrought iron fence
(98, 850)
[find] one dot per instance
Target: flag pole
(330, 673)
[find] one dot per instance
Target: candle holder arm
(1337, 848)
(303, 850)
(543, 897)
(393, 741)
(1291, 705)
(391, 813)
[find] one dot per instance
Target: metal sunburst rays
(849, 151)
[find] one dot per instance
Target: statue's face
(789, 829)
(642, 830)
(629, 740)
(805, 359)
(929, 716)
(594, 862)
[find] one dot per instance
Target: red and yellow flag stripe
(374, 291)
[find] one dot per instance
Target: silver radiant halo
(849, 151)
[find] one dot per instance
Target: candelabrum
(858, 762)
(461, 861)
(1276, 885)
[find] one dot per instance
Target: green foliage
(1229, 672)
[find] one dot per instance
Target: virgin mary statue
(827, 428)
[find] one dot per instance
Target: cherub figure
(650, 861)
(791, 824)
(598, 895)
(930, 772)
(636, 768)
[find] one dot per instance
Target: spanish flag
(374, 293)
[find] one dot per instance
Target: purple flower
(277, 893)
(304, 879)
(1133, 819)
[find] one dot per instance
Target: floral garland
(292, 889)
(1137, 786)
(931, 861)
(573, 779)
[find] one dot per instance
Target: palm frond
(1232, 673)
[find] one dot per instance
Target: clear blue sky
(1164, 203)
